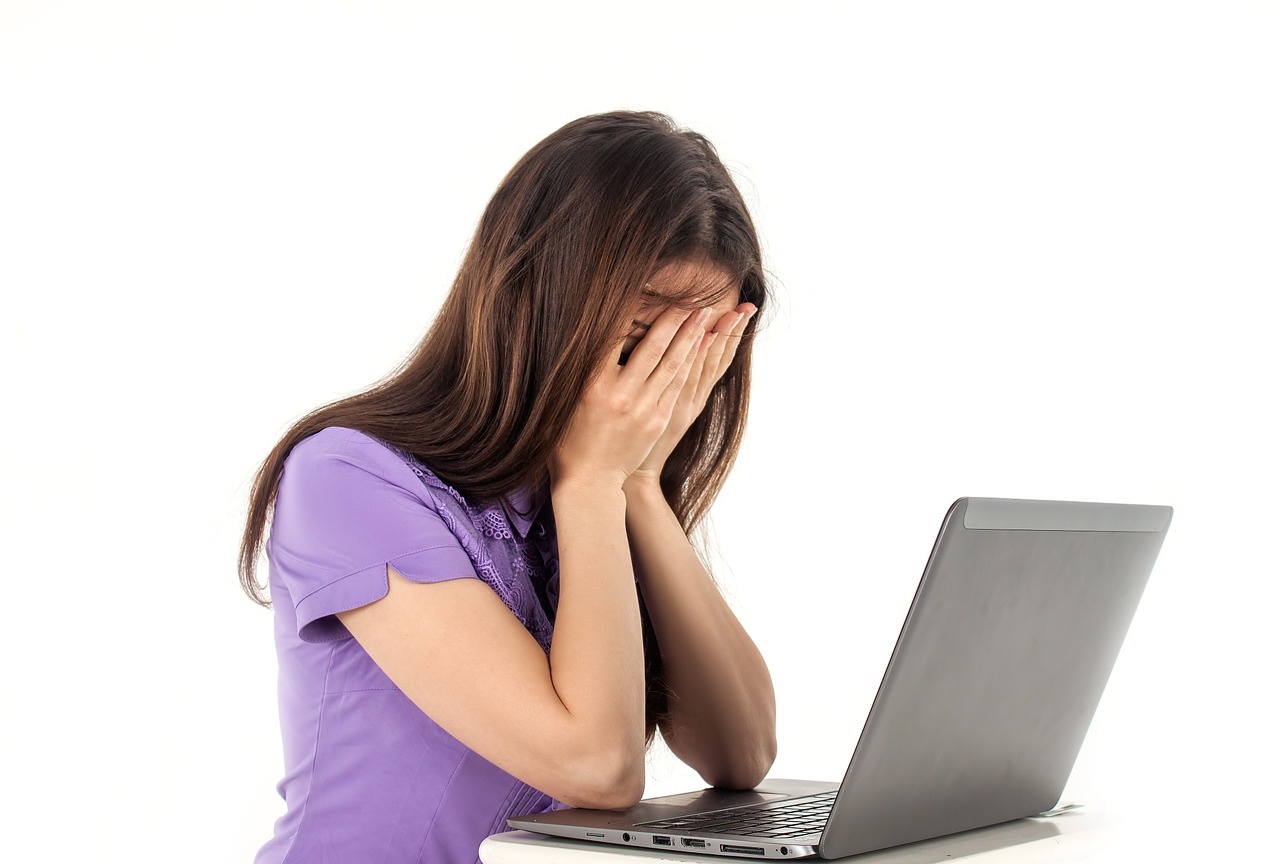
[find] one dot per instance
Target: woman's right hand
(625, 408)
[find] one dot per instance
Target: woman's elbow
(607, 781)
(745, 769)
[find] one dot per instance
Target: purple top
(368, 776)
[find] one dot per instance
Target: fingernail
(703, 315)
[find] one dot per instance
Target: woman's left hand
(715, 359)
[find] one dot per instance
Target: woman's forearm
(597, 659)
(721, 715)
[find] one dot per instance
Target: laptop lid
(999, 667)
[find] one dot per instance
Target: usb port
(742, 850)
(661, 841)
(692, 843)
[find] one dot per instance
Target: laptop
(997, 671)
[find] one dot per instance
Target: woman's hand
(716, 353)
(626, 409)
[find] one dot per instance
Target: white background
(1019, 249)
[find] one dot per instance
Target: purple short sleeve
(347, 507)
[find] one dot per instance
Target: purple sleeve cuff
(317, 611)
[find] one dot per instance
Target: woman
(486, 599)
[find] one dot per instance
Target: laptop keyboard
(782, 820)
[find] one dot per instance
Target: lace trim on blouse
(523, 571)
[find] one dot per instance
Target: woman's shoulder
(341, 448)
(337, 446)
(338, 442)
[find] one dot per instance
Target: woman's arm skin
(721, 715)
(572, 724)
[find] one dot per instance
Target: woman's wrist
(646, 506)
(587, 496)
(590, 479)
(643, 488)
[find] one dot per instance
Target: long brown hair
(559, 263)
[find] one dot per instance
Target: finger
(724, 343)
(645, 356)
(731, 318)
(676, 356)
(727, 347)
(695, 357)
(704, 360)
(632, 339)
